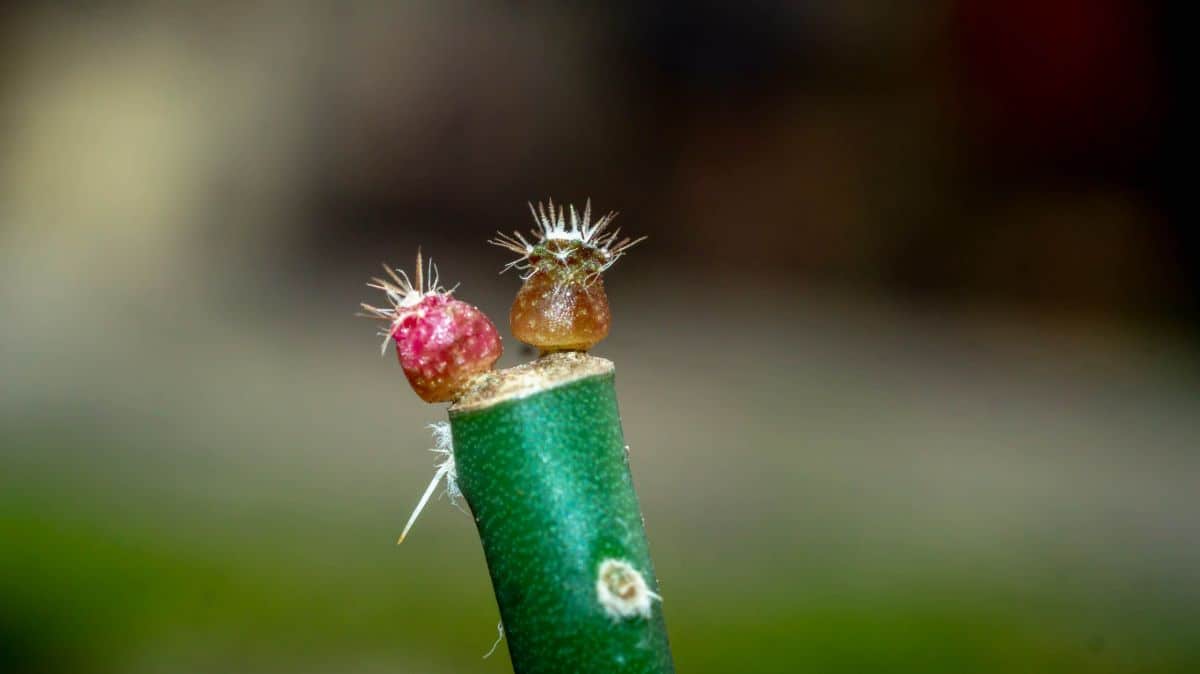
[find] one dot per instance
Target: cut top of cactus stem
(577, 245)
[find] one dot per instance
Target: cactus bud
(562, 305)
(441, 342)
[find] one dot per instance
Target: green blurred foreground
(839, 490)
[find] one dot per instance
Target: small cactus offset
(441, 342)
(562, 305)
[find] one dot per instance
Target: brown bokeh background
(907, 365)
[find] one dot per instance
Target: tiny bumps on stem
(562, 305)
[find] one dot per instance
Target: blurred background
(908, 365)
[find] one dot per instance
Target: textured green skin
(547, 477)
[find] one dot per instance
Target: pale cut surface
(549, 371)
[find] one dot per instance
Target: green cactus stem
(542, 461)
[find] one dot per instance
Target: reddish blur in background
(908, 364)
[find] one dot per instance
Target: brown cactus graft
(562, 305)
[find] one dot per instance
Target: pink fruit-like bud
(441, 342)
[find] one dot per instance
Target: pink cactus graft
(442, 343)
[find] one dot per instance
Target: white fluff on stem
(444, 446)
